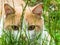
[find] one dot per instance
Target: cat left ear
(8, 9)
(38, 9)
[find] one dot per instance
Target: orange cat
(32, 16)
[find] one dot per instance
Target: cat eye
(15, 27)
(32, 27)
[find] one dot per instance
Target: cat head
(36, 12)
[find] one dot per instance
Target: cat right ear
(38, 9)
(8, 9)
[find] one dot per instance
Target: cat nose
(31, 27)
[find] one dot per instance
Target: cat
(33, 20)
(32, 17)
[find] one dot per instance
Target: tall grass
(52, 20)
(52, 23)
(8, 37)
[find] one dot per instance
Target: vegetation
(51, 14)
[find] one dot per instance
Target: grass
(52, 23)
(8, 38)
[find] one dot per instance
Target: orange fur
(29, 16)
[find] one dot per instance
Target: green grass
(52, 23)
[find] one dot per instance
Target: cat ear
(8, 9)
(38, 9)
